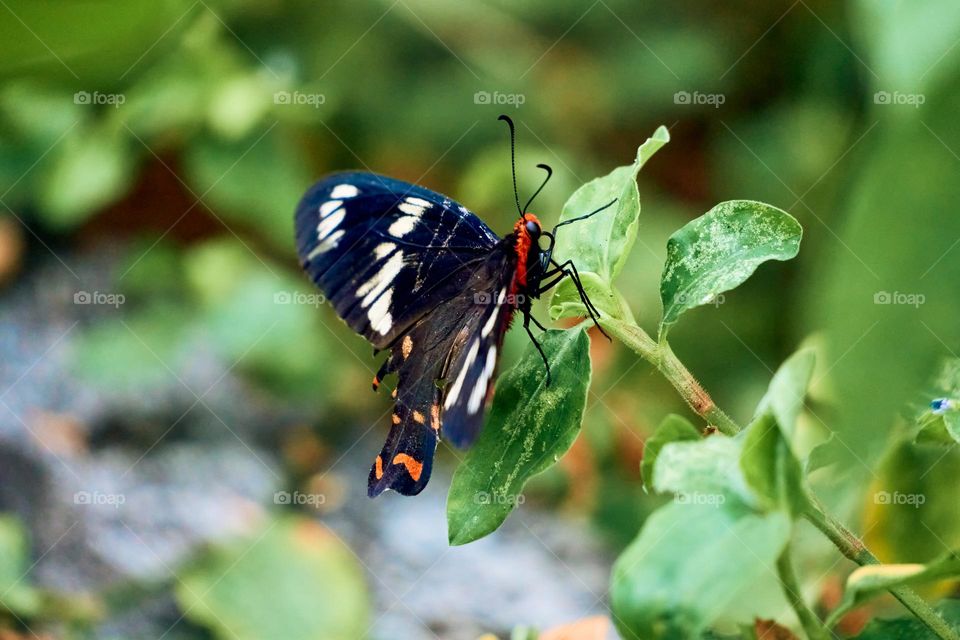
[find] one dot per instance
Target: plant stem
(791, 589)
(853, 548)
(662, 357)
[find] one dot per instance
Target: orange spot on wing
(393, 394)
(378, 467)
(414, 468)
(376, 382)
(406, 347)
(435, 417)
(418, 417)
(396, 419)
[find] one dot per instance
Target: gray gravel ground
(68, 450)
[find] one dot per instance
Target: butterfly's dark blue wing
(414, 272)
(445, 366)
(386, 252)
(472, 364)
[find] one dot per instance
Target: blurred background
(186, 427)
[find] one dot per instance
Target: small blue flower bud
(941, 405)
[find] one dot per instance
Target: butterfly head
(528, 226)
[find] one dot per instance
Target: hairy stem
(853, 548)
(791, 589)
(662, 357)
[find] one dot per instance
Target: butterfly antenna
(584, 217)
(513, 160)
(542, 185)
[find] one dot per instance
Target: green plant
(708, 557)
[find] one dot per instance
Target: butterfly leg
(570, 269)
(537, 322)
(526, 325)
(561, 272)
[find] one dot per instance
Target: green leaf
(528, 428)
(939, 429)
(294, 581)
(599, 245)
(17, 594)
(720, 250)
(823, 455)
(137, 354)
(942, 428)
(524, 633)
(788, 388)
(770, 468)
(267, 324)
(689, 565)
(251, 183)
(89, 170)
(674, 428)
(873, 580)
(768, 462)
(705, 471)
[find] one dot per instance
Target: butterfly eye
(533, 229)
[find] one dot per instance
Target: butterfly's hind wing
(432, 356)
(405, 462)
(472, 363)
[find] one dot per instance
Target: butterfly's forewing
(385, 252)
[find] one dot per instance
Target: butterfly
(420, 275)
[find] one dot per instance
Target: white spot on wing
(488, 327)
(410, 209)
(326, 245)
(455, 389)
(328, 224)
(419, 202)
(344, 191)
(480, 391)
(329, 207)
(379, 314)
(402, 226)
(384, 249)
(381, 280)
(492, 320)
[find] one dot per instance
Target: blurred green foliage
(180, 135)
(294, 580)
